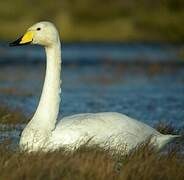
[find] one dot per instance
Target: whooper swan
(44, 133)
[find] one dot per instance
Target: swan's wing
(102, 127)
(107, 122)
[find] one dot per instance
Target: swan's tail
(161, 140)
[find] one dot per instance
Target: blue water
(144, 81)
(96, 53)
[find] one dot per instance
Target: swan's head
(42, 33)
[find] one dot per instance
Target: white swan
(44, 133)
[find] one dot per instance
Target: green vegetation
(98, 20)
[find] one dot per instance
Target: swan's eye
(38, 29)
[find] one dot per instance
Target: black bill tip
(16, 43)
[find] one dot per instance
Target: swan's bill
(27, 38)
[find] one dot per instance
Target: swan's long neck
(48, 108)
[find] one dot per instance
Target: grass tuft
(8, 116)
(91, 163)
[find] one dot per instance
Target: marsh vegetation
(90, 163)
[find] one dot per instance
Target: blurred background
(98, 20)
(122, 55)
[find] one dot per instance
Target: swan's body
(109, 128)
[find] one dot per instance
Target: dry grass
(8, 116)
(91, 164)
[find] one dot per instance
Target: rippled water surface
(151, 92)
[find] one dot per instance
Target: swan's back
(101, 128)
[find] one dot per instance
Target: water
(145, 82)
(95, 53)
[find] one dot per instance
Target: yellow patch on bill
(28, 37)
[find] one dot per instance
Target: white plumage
(108, 129)
(105, 129)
